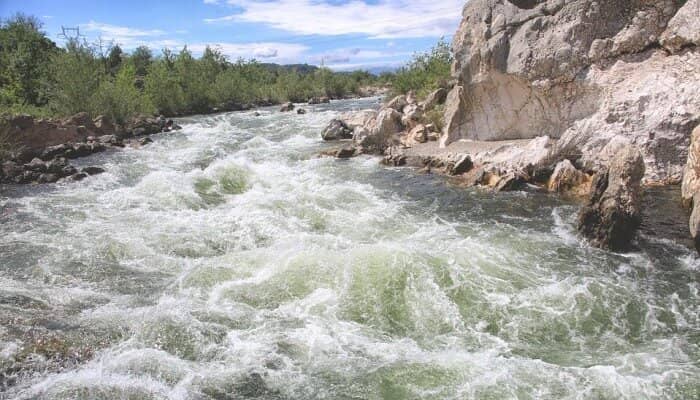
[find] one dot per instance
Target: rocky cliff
(597, 75)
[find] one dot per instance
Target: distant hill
(300, 68)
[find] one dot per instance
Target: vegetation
(39, 78)
(424, 73)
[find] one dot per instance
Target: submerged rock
(286, 107)
(612, 215)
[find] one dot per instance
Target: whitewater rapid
(226, 260)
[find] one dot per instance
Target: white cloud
(270, 51)
(345, 55)
(120, 31)
(386, 19)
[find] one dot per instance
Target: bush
(425, 72)
(119, 98)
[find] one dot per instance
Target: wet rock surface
(38, 158)
(613, 213)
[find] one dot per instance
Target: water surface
(227, 261)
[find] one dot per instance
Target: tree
(114, 60)
(24, 55)
(142, 58)
(76, 75)
(119, 98)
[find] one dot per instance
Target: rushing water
(227, 261)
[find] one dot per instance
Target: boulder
(104, 125)
(411, 97)
(461, 165)
(336, 130)
(514, 180)
(397, 103)
(354, 119)
(345, 152)
(565, 178)
(612, 214)
(301, 111)
(691, 172)
(690, 188)
(683, 31)
(92, 170)
(412, 114)
(434, 99)
(381, 130)
(419, 134)
(586, 72)
(286, 107)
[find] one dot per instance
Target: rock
(286, 107)
(612, 215)
(301, 111)
(11, 170)
(78, 176)
(411, 97)
(589, 73)
(474, 177)
(397, 103)
(514, 180)
(54, 151)
(83, 149)
(690, 188)
(454, 116)
(345, 152)
(47, 178)
(683, 31)
(434, 99)
(144, 141)
(257, 114)
(104, 125)
(419, 134)
(691, 172)
(358, 118)
(412, 114)
(92, 170)
(462, 164)
(80, 119)
(381, 130)
(565, 178)
(336, 130)
(36, 165)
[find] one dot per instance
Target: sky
(340, 34)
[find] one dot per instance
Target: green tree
(163, 89)
(114, 59)
(76, 75)
(25, 52)
(142, 58)
(119, 98)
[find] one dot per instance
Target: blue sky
(342, 34)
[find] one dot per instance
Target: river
(226, 260)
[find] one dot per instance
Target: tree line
(37, 77)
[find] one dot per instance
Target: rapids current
(226, 260)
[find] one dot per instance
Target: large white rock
(684, 28)
(586, 71)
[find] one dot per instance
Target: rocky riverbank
(582, 98)
(40, 149)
